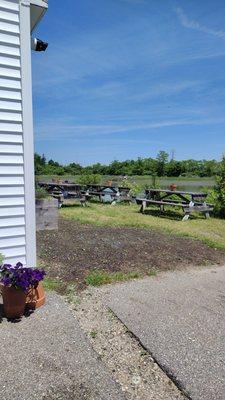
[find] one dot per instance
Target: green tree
(162, 159)
(39, 163)
(73, 169)
(174, 168)
(53, 163)
(138, 168)
(115, 168)
(90, 179)
(142, 166)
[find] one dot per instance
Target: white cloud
(191, 24)
(75, 131)
(166, 89)
(128, 92)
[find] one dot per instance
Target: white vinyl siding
(9, 15)
(10, 95)
(12, 242)
(11, 28)
(10, 105)
(9, 72)
(10, 232)
(9, 39)
(10, 84)
(9, 5)
(11, 211)
(16, 253)
(11, 180)
(10, 148)
(7, 191)
(9, 62)
(11, 138)
(10, 116)
(15, 221)
(10, 50)
(12, 202)
(9, 127)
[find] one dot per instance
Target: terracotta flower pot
(14, 301)
(35, 297)
(173, 186)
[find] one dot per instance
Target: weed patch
(100, 277)
(152, 273)
(71, 294)
(93, 334)
(51, 285)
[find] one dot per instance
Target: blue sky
(123, 79)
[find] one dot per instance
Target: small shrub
(133, 186)
(219, 192)
(41, 193)
(211, 196)
(89, 179)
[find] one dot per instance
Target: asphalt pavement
(180, 318)
(46, 356)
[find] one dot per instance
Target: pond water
(192, 186)
(187, 186)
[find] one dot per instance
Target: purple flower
(20, 277)
(18, 265)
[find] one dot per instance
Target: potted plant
(46, 210)
(20, 288)
(173, 186)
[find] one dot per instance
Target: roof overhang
(37, 9)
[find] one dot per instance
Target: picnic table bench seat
(161, 202)
(162, 198)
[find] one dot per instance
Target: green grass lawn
(210, 231)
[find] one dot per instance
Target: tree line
(162, 165)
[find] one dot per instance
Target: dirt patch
(75, 249)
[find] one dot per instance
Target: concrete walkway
(180, 318)
(46, 356)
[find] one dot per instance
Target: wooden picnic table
(111, 194)
(189, 201)
(68, 190)
(61, 185)
(63, 191)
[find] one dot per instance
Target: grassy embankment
(210, 231)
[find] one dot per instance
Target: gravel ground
(130, 365)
